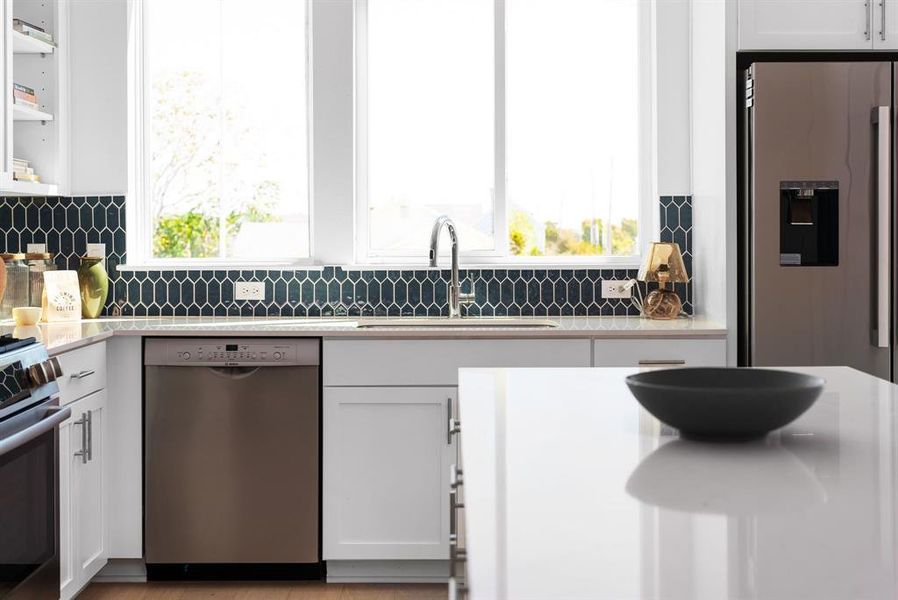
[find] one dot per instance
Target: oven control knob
(277, 356)
(186, 356)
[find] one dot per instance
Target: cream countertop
(60, 337)
(572, 491)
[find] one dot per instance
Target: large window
(225, 137)
(523, 120)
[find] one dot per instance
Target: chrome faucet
(456, 298)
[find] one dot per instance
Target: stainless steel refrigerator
(817, 215)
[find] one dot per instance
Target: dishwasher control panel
(215, 352)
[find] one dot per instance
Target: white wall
(672, 97)
(98, 95)
(713, 159)
(333, 122)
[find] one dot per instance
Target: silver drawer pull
(82, 374)
(660, 362)
(455, 477)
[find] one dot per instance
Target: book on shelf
(31, 30)
(24, 95)
(27, 103)
(22, 177)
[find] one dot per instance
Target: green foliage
(523, 237)
(187, 164)
(196, 235)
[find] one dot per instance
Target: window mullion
(500, 218)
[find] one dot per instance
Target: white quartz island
(572, 491)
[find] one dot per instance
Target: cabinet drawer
(436, 362)
(659, 353)
(83, 372)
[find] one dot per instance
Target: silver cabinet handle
(882, 22)
(455, 478)
(882, 119)
(83, 452)
(867, 9)
(90, 435)
(647, 362)
(454, 426)
(82, 374)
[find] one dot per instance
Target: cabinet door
(69, 443)
(90, 543)
(885, 24)
(386, 459)
(806, 24)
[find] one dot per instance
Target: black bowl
(725, 404)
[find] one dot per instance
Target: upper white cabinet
(75, 139)
(818, 24)
(36, 134)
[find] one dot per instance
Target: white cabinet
(660, 353)
(436, 362)
(36, 134)
(812, 24)
(82, 517)
(84, 534)
(386, 459)
(386, 446)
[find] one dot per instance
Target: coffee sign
(62, 298)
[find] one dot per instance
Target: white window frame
(647, 220)
(139, 214)
(337, 160)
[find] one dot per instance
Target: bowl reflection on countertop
(758, 478)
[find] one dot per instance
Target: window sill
(220, 266)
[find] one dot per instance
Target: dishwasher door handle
(234, 372)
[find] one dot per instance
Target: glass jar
(38, 264)
(16, 293)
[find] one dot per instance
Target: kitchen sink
(478, 322)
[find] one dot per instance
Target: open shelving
(38, 135)
(25, 44)
(26, 113)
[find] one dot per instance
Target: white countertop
(572, 491)
(60, 337)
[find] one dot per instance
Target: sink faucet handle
(465, 299)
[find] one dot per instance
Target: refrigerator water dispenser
(809, 223)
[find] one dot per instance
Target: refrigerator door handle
(881, 118)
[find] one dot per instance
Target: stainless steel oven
(29, 471)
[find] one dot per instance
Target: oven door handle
(54, 416)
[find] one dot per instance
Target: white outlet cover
(249, 290)
(96, 250)
(36, 248)
(614, 288)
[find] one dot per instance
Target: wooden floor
(262, 591)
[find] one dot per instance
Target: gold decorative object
(663, 264)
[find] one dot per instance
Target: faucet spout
(456, 298)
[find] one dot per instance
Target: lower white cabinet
(83, 536)
(387, 454)
(660, 352)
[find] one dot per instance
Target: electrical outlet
(614, 288)
(249, 290)
(96, 250)
(36, 248)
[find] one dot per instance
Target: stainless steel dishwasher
(231, 458)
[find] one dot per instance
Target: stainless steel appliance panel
(816, 122)
(231, 462)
